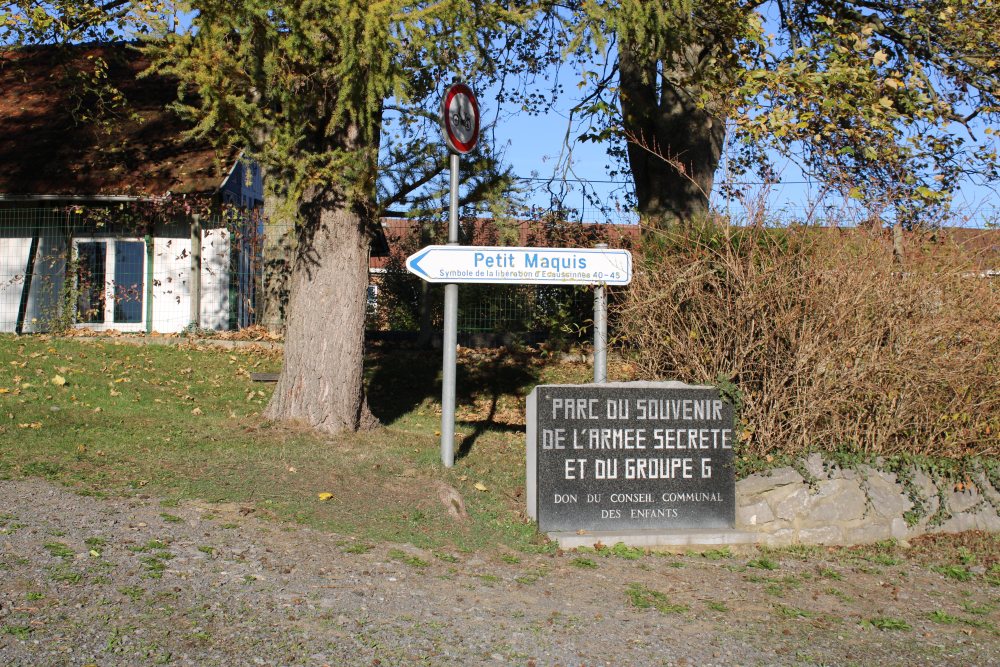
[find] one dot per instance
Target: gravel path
(89, 581)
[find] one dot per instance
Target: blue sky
(533, 145)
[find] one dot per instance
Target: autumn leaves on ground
(176, 429)
(183, 421)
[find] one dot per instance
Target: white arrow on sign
(532, 266)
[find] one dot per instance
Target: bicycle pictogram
(462, 120)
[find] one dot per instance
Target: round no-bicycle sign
(460, 116)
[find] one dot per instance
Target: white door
(110, 283)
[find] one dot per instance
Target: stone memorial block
(630, 456)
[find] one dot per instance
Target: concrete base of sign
(667, 540)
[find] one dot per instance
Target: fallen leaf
(4, 390)
(58, 381)
(115, 393)
(35, 425)
(324, 496)
(196, 412)
(480, 486)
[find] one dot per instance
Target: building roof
(49, 148)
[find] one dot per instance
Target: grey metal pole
(196, 270)
(600, 331)
(450, 342)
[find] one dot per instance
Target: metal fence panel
(122, 267)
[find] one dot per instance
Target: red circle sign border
(454, 144)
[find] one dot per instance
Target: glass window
(128, 281)
(91, 260)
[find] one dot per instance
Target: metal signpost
(601, 327)
(460, 119)
(452, 264)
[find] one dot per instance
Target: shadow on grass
(400, 380)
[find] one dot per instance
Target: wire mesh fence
(405, 303)
(129, 268)
(121, 268)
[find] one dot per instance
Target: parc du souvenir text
(635, 457)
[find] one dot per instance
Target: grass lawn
(183, 422)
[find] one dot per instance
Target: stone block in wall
(988, 520)
(899, 529)
(962, 501)
(762, 482)
(958, 523)
(924, 483)
(817, 469)
(870, 532)
(981, 517)
(784, 537)
(856, 506)
(887, 498)
(984, 486)
(822, 535)
(834, 500)
(928, 490)
(814, 466)
(845, 473)
(788, 502)
(755, 515)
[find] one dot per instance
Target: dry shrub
(830, 344)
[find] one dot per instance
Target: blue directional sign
(536, 266)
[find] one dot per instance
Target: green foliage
(622, 550)
(358, 548)
(59, 550)
(22, 632)
(791, 612)
(72, 21)
(939, 616)
(890, 104)
(409, 559)
(303, 83)
(717, 554)
(956, 572)
(888, 623)
(641, 597)
(763, 563)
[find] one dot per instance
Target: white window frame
(109, 284)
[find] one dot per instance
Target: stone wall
(822, 504)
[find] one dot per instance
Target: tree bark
(321, 382)
(674, 145)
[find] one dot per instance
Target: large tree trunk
(321, 381)
(674, 146)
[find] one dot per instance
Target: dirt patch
(131, 581)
